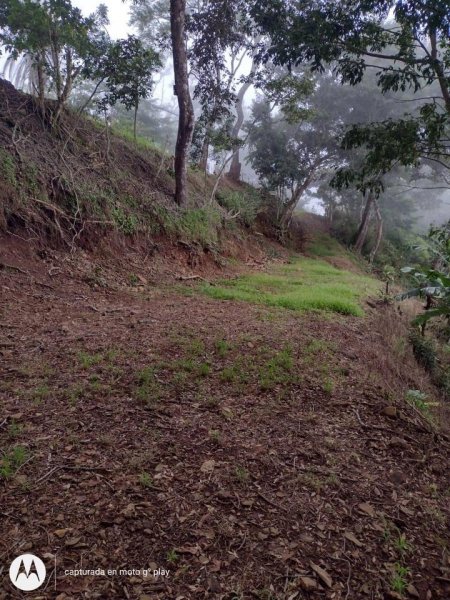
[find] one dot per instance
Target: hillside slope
(248, 450)
(193, 404)
(82, 186)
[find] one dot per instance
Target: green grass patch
(305, 284)
(148, 390)
(87, 360)
(12, 460)
(324, 245)
(277, 370)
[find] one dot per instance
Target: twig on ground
(13, 268)
(68, 468)
(192, 277)
(274, 504)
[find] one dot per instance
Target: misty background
(416, 199)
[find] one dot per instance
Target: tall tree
(222, 40)
(289, 156)
(354, 36)
(55, 40)
(126, 69)
(186, 109)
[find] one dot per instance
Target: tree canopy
(406, 43)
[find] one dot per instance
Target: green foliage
(126, 223)
(245, 205)
(324, 245)
(148, 389)
(354, 36)
(222, 347)
(123, 130)
(328, 386)
(12, 460)
(89, 360)
(291, 91)
(399, 579)
(236, 373)
(7, 167)
(214, 435)
(127, 69)
(14, 429)
(172, 556)
(193, 225)
(307, 284)
(241, 474)
(56, 39)
(288, 156)
(199, 225)
(434, 282)
(40, 393)
(388, 275)
(277, 370)
(424, 350)
(146, 480)
(418, 399)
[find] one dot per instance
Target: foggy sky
(117, 11)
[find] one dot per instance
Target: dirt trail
(244, 449)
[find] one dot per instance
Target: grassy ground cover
(305, 284)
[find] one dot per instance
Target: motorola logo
(27, 572)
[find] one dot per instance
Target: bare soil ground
(251, 452)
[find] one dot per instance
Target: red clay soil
(250, 452)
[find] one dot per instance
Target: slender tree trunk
(186, 110)
(136, 106)
(41, 83)
(88, 101)
(379, 230)
(71, 74)
(297, 193)
(289, 207)
(364, 225)
(205, 150)
(439, 70)
(56, 74)
(57, 70)
(235, 168)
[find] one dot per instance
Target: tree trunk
(136, 106)
(364, 225)
(41, 83)
(186, 110)
(235, 168)
(379, 231)
(205, 151)
(439, 70)
(289, 207)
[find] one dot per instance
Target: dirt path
(244, 449)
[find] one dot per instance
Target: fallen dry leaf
(365, 507)
(349, 536)
(322, 574)
(208, 466)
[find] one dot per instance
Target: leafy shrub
(126, 223)
(433, 282)
(7, 167)
(418, 399)
(194, 225)
(424, 350)
(245, 204)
